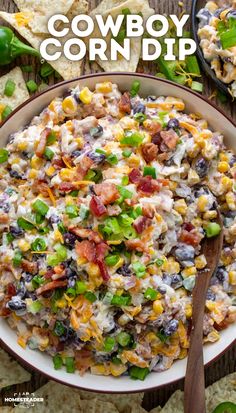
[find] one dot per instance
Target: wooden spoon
(194, 386)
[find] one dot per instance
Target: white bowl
(149, 86)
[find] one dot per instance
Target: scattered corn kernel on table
(227, 363)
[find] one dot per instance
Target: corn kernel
(200, 142)
(36, 163)
(200, 262)
(171, 266)
(183, 353)
(58, 236)
(223, 166)
(133, 161)
(180, 206)
(210, 305)
(22, 342)
(86, 95)
(69, 105)
(93, 270)
(173, 185)
(188, 310)
(202, 203)
(62, 303)
(232, 277)
(187, 272)
(227, 182)
(193, 177)
(80, 142)
(33, 173)
(157, 307)
(117, 369)
(50, 171)
(223, 157)
(230, 199)
(210, 215)
(67, 174)
(81, 261)
(23, 245)
(128, 123)
(118, 132)
(194, 151)
(105, 87)
(21, 146)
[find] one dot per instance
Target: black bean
(76, 96)
(98, 158)
(173, 123)
(217, 12)
(75, 154)
(16, 231)
(169, 161)
(171, 327)
(54, 219)
(21, 290)
(232, 13)
(176, 281)
(201, 167)
(68, 336)
(184, 253)
(5, 206)
(232, 160)
(139, 108)
(71, 281)
(96, 132)
(25, 154)
(15, 174)
(161, 289)
(166, 279)
(124, 270)
(151, 98)
(16, 304)
(210, 295)
(221, 274)
(69, 239)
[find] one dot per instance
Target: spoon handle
(194, 386)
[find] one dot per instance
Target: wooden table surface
(225, 364)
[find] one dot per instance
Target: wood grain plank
(225, 364)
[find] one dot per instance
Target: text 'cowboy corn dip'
(217, 34)
(105, 198)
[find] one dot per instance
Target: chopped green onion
(43, 230)
(6, 112)
(111, 226)
(3, 155)
(25, 224)
(40, 206)
(228, 38)
(51, 138)
(126, 11)
(123, 338)
(83, 212)
(35, 307)
(49, 154)
(72, 211)
(159, 262)
(32, 86)
(27, 68)
(9, 237)
(109, 344)
(17, 258)
(90, 175)
(197, 86)
(9, 88)
(38, 245)
(139, 269)
(132, 138)
(129, 232)
(135, 88)
(57, 361)
(90, 296)
(112, 159)
(136, 212)
(101, 151)
(222, 96)
(125, 220)
(212, 229)
(150, 294)
(125, 180)
(39, 218)
(125, 193)
(71, 291)
(37, 280)
(112, 260)
(162, 336)
(59, 328)
(115, 360)
(225, 407)
(46, 70)
(192, 65)
(140, 117)
(61, 251)
(70, 364)
(138, 373)
(61, 228)
(127, 153)
(53, 260)
(74, 193)
(80, 287)
(149, 171)
(121, 300)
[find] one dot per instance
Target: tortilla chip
(136, 408)
(6, 409)
(20, 93)
(156, 410)
(121, 401)
(97, 406)
(175, 403)
(56, 397)
(66, 68)
(223, 390)
(114, 8)
(10, 371)
(78, 7)
(41, 11)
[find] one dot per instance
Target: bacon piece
(135, 175)
(148, 211)
(59, 271)
(83, 167)
(107, 192)
(124, 103)
(191, 238)
(188, 226)
(152, 127)
(103, 270)
(66, 187)
(170, 138)
(49, 273)
(141, 223)
(113, 210)
(135, 244)
(42, 142)
(86, 233)
(148, 185)
(58, 163)
(51, 286)
(86, 249)
(101, 250)
(11, 290)
(96, 206)
(4, 218)
(149, 151)
(29, 266)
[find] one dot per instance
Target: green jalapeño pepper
(225, 407)
(11, 46)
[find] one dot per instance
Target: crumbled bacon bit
(85, 233)
(83, 167)
(141, 223)
(107, 192)
(153, 127)
(148, 185)
(191, 238)
(42, 142)
(11, 290)
(86, 249)
(188, 226)
(66, 187)
(96, 206)
(125, 103)
(170, 138)
(103, 270)
(149, 151)
(135, 244)
(29, 266)
(101, 250)
(148, 211)
(51, 286)
(135, 175)
(57, 163)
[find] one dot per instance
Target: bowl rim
(205, 65)
(67, 82)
